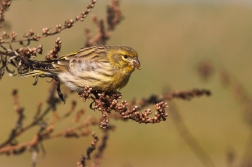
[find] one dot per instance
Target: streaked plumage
(103, 68)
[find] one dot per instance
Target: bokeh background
(171, 38)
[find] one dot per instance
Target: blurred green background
(171, 37)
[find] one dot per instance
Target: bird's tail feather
(40, 73)
(45, 68)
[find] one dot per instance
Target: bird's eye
(125, 56)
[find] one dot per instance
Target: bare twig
(189, 138)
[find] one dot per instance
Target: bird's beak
(136, 63)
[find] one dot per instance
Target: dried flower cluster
(114, 16)
(108, 101)
(5, 5)
(54, 53)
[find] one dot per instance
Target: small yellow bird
(104, 68)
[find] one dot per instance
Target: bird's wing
(94, 53)
(86, 59)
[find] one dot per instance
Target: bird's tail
(40, 73)
(45, 68)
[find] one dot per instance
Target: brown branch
(17, 132)
(47, 133)
(19, 129)
(184, 95)
(244, 98)
(101, 149)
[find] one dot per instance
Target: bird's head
(124, 58)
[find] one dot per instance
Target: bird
(103, 68)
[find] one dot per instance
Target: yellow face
(124, 58)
